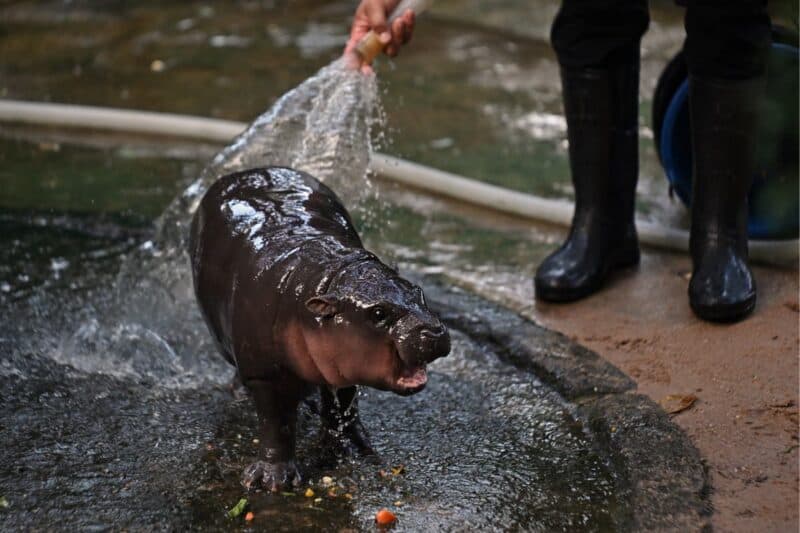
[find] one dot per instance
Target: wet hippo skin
(295, 302)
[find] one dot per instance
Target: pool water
(477, 92)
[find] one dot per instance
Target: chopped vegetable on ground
(385, 517)
(237, 509)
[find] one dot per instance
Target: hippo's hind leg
(277, 418)
(341, 425)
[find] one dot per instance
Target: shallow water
(412, 231)
(467, 95)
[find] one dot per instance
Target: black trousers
(725, 39)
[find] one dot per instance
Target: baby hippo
(295, 302)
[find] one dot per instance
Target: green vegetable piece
(238, 508)
(3, 502)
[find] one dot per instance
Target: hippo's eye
(377, 314)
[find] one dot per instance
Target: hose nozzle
(370, 45)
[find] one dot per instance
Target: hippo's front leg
(277, 416)
(341, 424)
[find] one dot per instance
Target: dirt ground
(745, 378)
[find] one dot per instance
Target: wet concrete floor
(71, 223)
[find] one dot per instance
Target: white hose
(782, 253)
(103, 118)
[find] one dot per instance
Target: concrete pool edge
(662, 476)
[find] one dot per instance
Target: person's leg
(726, 51)
(597, 45)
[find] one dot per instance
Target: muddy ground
(745, 378)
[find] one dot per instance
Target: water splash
(323, 127)
(151, 328)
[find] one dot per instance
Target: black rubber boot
(724, 118)
(601, 107)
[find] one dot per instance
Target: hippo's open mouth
(413, 378)
(410, 378)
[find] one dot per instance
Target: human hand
(372, 15)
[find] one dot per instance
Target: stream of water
(324, 127)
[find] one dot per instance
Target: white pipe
(783, 252)
(103, 118)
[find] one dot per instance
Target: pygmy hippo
(294, 301)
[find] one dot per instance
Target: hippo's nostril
(432, 333)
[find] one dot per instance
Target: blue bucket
(774, 201)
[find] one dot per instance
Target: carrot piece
(384, 517)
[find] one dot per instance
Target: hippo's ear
(324, 306)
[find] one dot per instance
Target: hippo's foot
(273, 477)
(342, 431)
(350, 441)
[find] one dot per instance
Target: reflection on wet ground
(88, 450)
